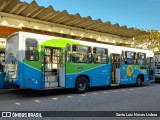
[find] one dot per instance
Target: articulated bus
(42, 62)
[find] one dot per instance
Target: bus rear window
(31, 50)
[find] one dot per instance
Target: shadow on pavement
(39, 93)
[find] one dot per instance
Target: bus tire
(139, 81)
(81, 85)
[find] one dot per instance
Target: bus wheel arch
(82, 83)
(139, 80)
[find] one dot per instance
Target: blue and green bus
(45, 62)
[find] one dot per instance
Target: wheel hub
(81, 86)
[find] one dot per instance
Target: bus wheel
(81, 85)
(139, 81)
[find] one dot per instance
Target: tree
(150, 41)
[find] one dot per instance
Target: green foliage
(151, 40)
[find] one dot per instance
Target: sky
(141, 14)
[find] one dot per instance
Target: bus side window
(123, 57)
(68, 49)
(100, 55)
(31, 50)
(130, 57)
(81, 54)
(74, 56)
(2, 60)
(141, 58)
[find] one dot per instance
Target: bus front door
(115, 66)
(54, 68)
(151, 68)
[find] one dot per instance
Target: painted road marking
(83, 95)
(18, 103)
(37, 101)
(124, 90)
(139, 88)
(115, 91)
(131, 89)
(55, 98)
(105, 92)
(70, 96)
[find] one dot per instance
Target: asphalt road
(130, 98)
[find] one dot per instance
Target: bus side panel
(99, 76)
(146, 79)
(129, 74)
(32, 77)
(20, 74)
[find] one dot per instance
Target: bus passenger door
(54, 68)
(115, 67)
(151, 68)
(61, 68)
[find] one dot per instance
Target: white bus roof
(113, 48)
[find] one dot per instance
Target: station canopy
(34, 11)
